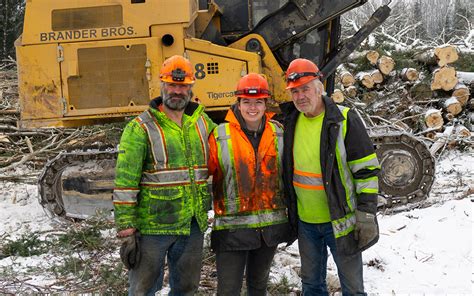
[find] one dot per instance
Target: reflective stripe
(278, 139)
(177, 176)
(370, 185)
(125, 195)
(201, 174)
(226, 162)
(341, 155)
(167, 177)
(279, 146)
(203, 135)
(344, 225)
(260, 219)
(308, 180)
(156, 138)
(368, 161)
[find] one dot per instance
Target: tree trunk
(385, 64)
(372, 56)
(351, 91)
(446, 54)
(433, 119)
(444, 78)
(4, 54)
(440, 56)
(347, 79)
(461, 92)
(337, 96)
(451, 105)
(365, 79)
(409, 74)
(377, 77)
(465, 77)
(426, 57)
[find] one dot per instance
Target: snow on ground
(424, 251)
(420, 251)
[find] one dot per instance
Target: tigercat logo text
(86, 34)
(219, 95)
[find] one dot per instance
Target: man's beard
(175, 101)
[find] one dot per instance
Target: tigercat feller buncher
(96, 61)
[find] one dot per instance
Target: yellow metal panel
(39, 82)
(137, 19)
(176, 31)
(109, 89)
(217, 71)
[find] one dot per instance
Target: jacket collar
(189, 110)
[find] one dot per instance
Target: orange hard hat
(177, 69)
(252, 86)
(301, 71)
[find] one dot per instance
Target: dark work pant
(231, 266)
(184, 255)
(313, 243)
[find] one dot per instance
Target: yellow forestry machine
(97, 61)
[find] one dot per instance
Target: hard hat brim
(299, 82)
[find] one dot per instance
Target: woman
(250, 214)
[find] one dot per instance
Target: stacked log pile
(425, 98)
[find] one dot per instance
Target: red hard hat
(301, 71)
(252, 86)
(177, 69)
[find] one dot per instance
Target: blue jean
(313, 243)
(184, 255)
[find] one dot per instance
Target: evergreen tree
(11, 22)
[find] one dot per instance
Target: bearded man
(161, 196)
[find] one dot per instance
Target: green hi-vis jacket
(161, 173)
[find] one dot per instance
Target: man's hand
(366, 228)
(130, 249)
(126, 232)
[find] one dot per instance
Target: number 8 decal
(200, 74)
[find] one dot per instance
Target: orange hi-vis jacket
(247, 186)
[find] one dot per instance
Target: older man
(161, 186)
(330, 174)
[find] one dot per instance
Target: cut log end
(433, 119)
(365, 80)
(446, 54)
(444, 78)
(377, 77)
(461, 92)
(409, 74)
(372, 56)
(385, 64)
(337, 96)
(452, 106)
(347, 79)
(351, 91)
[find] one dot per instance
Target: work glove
(130, 250)
(366, 229)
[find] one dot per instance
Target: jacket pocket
(165, 205)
